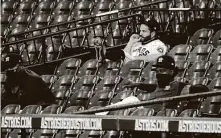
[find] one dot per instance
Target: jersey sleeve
(159, 48)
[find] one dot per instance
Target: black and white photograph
(110, 68)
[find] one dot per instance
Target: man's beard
(145, 39)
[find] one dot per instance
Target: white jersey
(151, 50)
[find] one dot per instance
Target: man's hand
(134, 38)
(130, 84)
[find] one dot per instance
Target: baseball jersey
(151, 50)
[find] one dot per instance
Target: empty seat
(68, 134)
(8, 7)
(215, 71)
(121, 96)
(110, 68)
(182, 68)
(198, 69)
(20, 20)
(64, 7)
(3, 80)
(55, 41)
(41, 20)
(26, 7)
(211, 106)
(189, 113)
(52, 109)
(69, 67)
(30, 55)
(167, 112)
(216, 39)
(91, 134)
(63, 83)
(216, 55)
(132, 68)
(30, 109)
(83, 8)
(199, 80)
(200, 52)
(143, 112)
(61, 18)
(112, 134)
(45, 7)
(5, 23)
(11, 109)
(149, 71)
(52, 53)
(108, 83)
(74, 38)
(215, 84)
(180, 52)
(201, 36)
(90, 67)
(83, 91)
(73, 109)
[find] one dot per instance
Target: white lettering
(16, 122)
(71, 123)
(200, 126)
(151, 125)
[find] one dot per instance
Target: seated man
(146, 45)
(167, 87)
(24, 86)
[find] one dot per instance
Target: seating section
(82, 82)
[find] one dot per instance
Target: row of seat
(67, 8)
(209, 107)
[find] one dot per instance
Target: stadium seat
(121, 95)
(216, 39)
(90, 67)
(11, 109)
(5, 23)
(68, 134)
(30, 109)
(52, 109)
(3, 80)
(125, 81)
(64, 7)
(69, 67)
(72, 109)
(200, 52)
(108, 83)
(25, 7)
(63, 83)
(39, 21)
(83, 91)
(49, 79)
(91, 134)
(182, 68)
(198, 69)
(44, 7)
(20, 20)
(180, 52)
(52, 53)
(215, 56)
(86, 82)
(74, 38)
(61, 18)
(199, 80)
(149, 70)
(100, 99)
(214, 71)
(211, 107)
(30, 55)
(8, 7)
(201, 36)
(112, 134)
(83, 8)
(151, 84)
(189, 113)
(55, 41)
(143, 112)
(167, 113)
(110, 68)
(215, 84)
(132, 68)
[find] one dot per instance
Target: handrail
(85, 18)
(155, 101)
(68, 30)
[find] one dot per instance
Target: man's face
(164, 76)
(145, 33)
